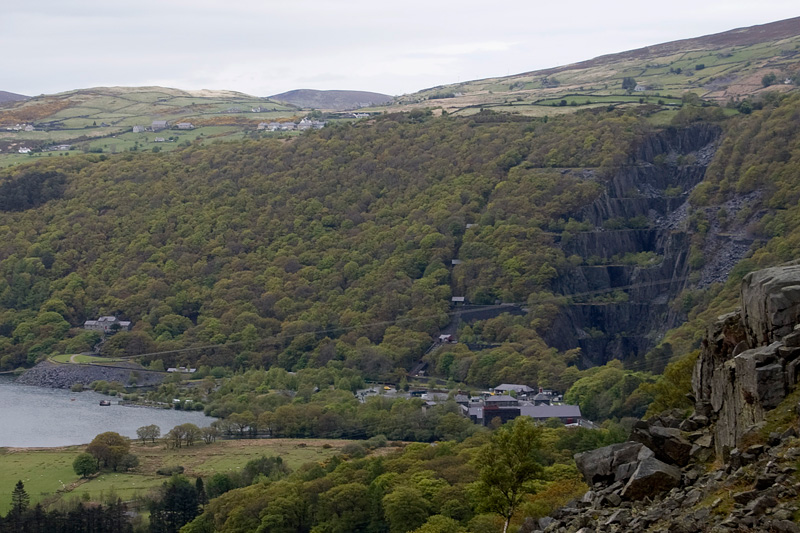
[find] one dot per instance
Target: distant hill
(718, 67)
(6, 96)
(103, 119)
(333, 100)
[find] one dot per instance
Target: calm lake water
(42, 417)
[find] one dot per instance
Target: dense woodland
(333, 250)
(335, 246)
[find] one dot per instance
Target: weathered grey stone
(760, 505)
(693, 497)
(785, 526)
(668, 444)
(651, 477)
(745, 497)
(765, 481)
(545, 521)
(621, 516)
(770, 385)
(770, 303)
(792, 340)
(603, 464)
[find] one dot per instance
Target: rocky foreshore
(64, 376)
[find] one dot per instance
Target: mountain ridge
(338, 100)
(6, 97)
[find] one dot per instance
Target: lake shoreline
(42, 417)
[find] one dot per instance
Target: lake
(42, 417)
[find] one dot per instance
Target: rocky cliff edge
(732, 465)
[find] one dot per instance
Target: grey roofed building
(519, 389)
(106, 324)
(159, 125)
(504, 400)
(569, 414)
(542, 398)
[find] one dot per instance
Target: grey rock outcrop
(750, 358)
(748, 364)
(770, 304)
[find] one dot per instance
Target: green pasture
(44, 471)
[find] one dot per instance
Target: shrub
(354, 449)
(170, 470)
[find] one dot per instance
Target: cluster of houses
(21, 127)
(107, 324)
(500, 404)
(159, 125)
(54, 148)
(539, 405)
(304, 124)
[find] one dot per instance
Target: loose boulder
(650, 478)
(611, 463)
(669, 445)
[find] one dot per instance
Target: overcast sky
(264, 47)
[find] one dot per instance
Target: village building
(505, 407)
(59, 148)
(139, 129)
(518, 390)
(182, 370)
(159, 125)
(107, 324)
(185, 126)
(24, 150)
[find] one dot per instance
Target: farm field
(46, 471)
(100, 120)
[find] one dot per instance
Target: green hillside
(102, 119)
(733, 65)
(338, 246)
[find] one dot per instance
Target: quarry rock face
(669, 161)
(750, 358)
